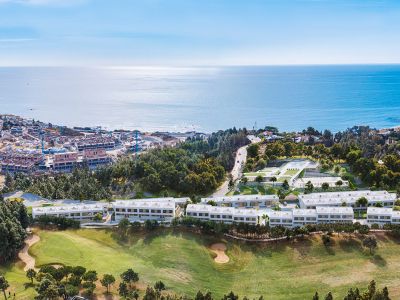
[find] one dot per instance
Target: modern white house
(227, 215)
(139, 210)
(80, 212)
(334, 214)
(318, 181)
(382, 215)
(280, 218)
(303, 217)
(244, 201)
(142, 210)
(348, 198)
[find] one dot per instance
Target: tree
(273, 180)
(4, 286)
(107, 281)
(339, 183)
(370, 242)
(344, 204)
(159, 286)
(316, 296)
(90, 276)
(259, 179)
(326, 239)
(31, 274)
(285, 185)
(123, 289)
(252, 150)
(329, 296)
(150, 294)
(231, 183)
(379, 204)
(362, 202)
(309, 187)
(325, 186)
(129, 277)
(123, 226)
(244, 180)
(231, 296)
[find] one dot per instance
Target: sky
(198, 32)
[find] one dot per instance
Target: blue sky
(198, 32)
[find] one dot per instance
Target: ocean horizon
(205, 99)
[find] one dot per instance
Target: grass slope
(184, 263)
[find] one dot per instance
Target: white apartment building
(141, 210)
(382, 215)
(313, 200)
(222, 214)
(303, 217)
(280, 218)
(138, 210)
(334, 214)
(244, 201)
(80, 212)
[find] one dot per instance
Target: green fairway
(184, 263)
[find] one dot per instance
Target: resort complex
(318, 208)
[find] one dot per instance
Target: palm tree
(273, 180)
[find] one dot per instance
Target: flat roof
(333, 210)
(379, 210)
(68, 208)
(347, 196)
(144, 204)
(283, 214)
(304, 212)
(240, 198)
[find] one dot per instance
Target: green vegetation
(291, 172)
(184, 264)
(13, 222)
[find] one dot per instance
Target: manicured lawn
(184, 263)
(291, 172)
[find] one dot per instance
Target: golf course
(185, 263)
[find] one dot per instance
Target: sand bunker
(219, 249)
(24, 255)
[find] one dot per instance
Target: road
(236, 172)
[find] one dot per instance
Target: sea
(205, 99)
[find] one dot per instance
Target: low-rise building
(303, 217)
(334, 214)
(222, 214)
(347, 198)
(244, 201)
(65, 162)
(141, 210)
(80, 212)
(280, 218)
(96, 157)
(301, 183)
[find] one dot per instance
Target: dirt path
(219, 249)
(24, 255)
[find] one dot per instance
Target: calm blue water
(207, 99)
